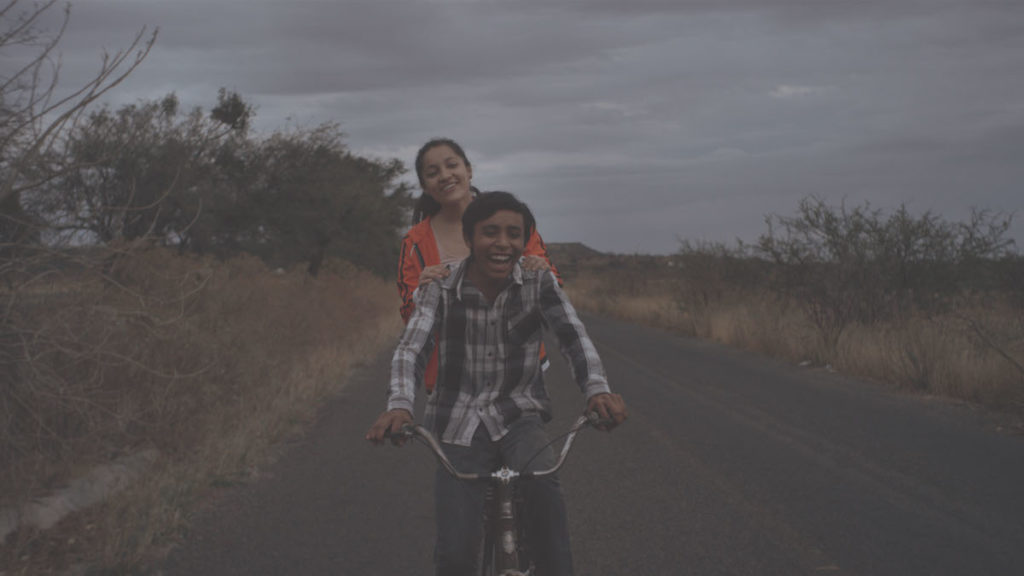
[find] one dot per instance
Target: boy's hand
(389, 422)
(610, 407)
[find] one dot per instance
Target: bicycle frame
(501, 530)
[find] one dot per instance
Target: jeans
(459, 504)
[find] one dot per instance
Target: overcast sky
(625, 124)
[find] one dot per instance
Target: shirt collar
(455, 279)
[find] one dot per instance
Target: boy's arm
(572, 337)
(582, 355)
(408, 363)
(414, 348)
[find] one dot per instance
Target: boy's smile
(496, 246)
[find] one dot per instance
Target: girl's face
(445, 176)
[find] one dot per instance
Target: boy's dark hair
(486, 204)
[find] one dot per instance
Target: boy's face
(497, 244)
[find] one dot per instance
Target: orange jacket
(419, 250)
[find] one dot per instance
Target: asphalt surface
(730, 464)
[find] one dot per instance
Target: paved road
(730, 465)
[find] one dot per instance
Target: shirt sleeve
(576, 346)
(414, 348)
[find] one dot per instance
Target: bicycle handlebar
(415, 431)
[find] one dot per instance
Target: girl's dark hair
(487, 203)
(425, 205)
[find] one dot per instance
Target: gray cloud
(626, 124)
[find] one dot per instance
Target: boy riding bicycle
(490, 403)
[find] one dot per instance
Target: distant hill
(571, 253)
(571, 257)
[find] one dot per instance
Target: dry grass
(941, 356)
(210, 363)
(971, 354)
(587, 293)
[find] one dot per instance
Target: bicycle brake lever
(405, 432)
(594, 419)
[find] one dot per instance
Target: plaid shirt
(489, 363)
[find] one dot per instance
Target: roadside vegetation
(205, 364)
(917, 302)
(173, 285)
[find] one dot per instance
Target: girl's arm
(409, 269)
(535, 247)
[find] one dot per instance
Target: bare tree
(34, 115)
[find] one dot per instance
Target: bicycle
(505, 549)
